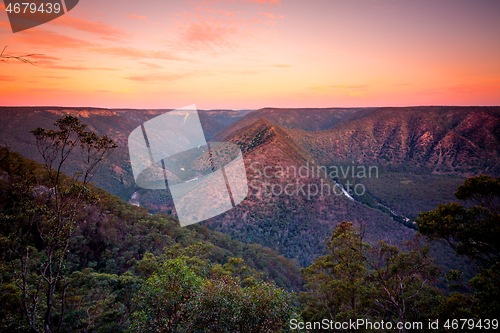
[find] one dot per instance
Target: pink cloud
(479, 89)
(137, 17)
(269, 15)
(211, 32)
(486, 88)
(206, 2)
(272, 2)
(55, 77)
(340, 87)
(187, 16)
(151, 65)
(80, 68)
(50, 40)
(55, 63)
(209, 26)
(157, 77)
(44, 57)
(45, 61)
(7, 78)
(95, 27)
(129, 52)
(222, 12)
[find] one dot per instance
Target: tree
(163, 300)
(337, 282)
(402, 281)
(473, 230)
(99, 302)
(176, 299)
(4, 57)
(44, 216)
(266, 308)
(216, 306)
(356, 280)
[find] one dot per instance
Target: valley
(421, 154)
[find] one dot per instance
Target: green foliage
(216, 307)
(403, 281)
(41, 219)
(381, 282)
(163, 300)
(113, 250)
(266, 308)
(473, 230)
(99, 301)
(176, 299)
(336, 283)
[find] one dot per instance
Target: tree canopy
(472, 228)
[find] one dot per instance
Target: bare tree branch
(22, 58)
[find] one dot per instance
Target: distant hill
(308, 119)
(112, 236)
(296, 225)
(443, 140)
(115, 174)
(422, 154)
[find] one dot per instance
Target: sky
(249, 54)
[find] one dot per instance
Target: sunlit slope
(441, 140)
(304, 119)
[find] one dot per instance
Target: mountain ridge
(310, 119)
(462, 141)
(293, 225)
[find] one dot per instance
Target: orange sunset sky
(246, 54)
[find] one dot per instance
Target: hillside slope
(294, 222)
(115, 173)
(401, 141)
(113, 235)
(307, 119)
(442, 140)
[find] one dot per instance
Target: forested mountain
(307, 119)
(115, 174)
(102, 256)
(113, 235)
(421, 153)
(296, 224)
(105, 265)
(442, 140)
